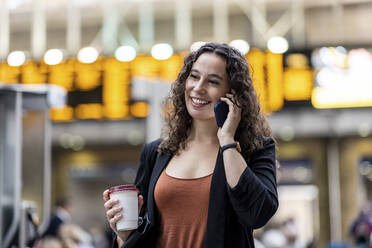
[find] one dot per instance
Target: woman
(196, 188)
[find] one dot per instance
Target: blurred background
(81, 86)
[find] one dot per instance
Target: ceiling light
(241, 45)
(277, 44)
(16, 58)
(88, 55)
(196, 45)
(162, 51)
(125, 53)
(53, 57)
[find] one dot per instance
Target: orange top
(183, 209)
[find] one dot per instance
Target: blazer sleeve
(147, 161)
(255, 197)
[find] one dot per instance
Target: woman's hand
(227, 132)
(113, 215)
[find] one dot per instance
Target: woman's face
(206, 84)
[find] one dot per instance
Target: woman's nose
(199, 85)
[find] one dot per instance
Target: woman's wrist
(123, 237)
(226, 140)
(119, 241)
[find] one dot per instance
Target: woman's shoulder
(152, 146)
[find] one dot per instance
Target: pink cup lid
(121, 188)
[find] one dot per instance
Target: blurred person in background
(272, 235)
(61, 214)
(361, 228)
(49, 243)
(72, 236)
(197, 188)
(62, 227)
(290, 230)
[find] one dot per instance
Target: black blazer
(233, 213)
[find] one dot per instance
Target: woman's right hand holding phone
(113, 215)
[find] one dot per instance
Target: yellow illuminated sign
(62, 74)
(33, 73)
(145, 66)
(343, 79)
(103, 89)
(88, 76)
(341, 98)
(257, 60)
(89, 111)
(298, 84)
(275, 81)
(65, 113)
(9, 74)
(169, 69)
(139, 109)
(116, 89)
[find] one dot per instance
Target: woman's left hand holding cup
(113, 214)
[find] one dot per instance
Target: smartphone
(221, 109)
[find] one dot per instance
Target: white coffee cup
(128, 200)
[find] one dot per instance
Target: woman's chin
(201, 117)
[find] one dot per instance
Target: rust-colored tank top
(183, 209)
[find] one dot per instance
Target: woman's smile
(199, 103)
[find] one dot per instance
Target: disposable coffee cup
(128, 200)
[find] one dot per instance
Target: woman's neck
(204, 132)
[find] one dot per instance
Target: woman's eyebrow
(215, 75)
(209, 75)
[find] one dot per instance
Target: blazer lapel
(161, 161)
(215, 232)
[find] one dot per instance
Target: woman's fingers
(229, 102)
(106, 196)
(113, 212)
(108, 205)
(234, 115)
(114, 220)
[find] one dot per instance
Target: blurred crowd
(62, 232)
(280, 234)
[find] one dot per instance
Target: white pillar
(73, 38)
(156, 92)
(298, 23)
(220, 20)
(337, 15)
(259, 23)
(111, 20)
(146, 25)
(39, 29)
(183, 24)
(4, 30)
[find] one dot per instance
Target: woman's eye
(213, 82)
(193, 76)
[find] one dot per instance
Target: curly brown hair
(253, 127)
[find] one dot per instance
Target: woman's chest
(192, 164)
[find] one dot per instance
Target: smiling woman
(205, 86)
(230, 66)
(197, 188)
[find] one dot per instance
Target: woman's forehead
(210, 62)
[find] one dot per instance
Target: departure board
(102, 89)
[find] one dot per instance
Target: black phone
(221, 109)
